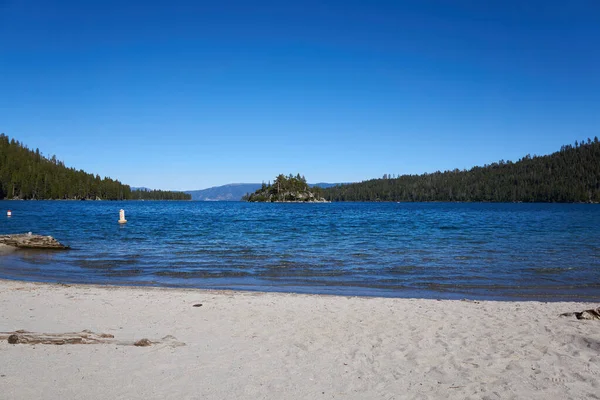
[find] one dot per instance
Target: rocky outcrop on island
(290, 189)
(30, 241)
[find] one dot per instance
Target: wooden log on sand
(29, 241)
(83, 337)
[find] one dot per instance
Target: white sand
(284, 346)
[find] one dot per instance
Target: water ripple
(505, 251)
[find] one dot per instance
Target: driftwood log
(83, 337)
(586, 314)
(30, 241)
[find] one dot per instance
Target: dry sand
(287, 346)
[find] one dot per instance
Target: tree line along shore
(570, 175)
(28, 175)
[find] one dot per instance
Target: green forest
(286, 189)
(569, 175)
(28, 175)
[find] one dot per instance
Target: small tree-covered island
(286, 189)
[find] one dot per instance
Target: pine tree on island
(291, 189)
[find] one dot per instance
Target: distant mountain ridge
(234, 191)
(230, 192)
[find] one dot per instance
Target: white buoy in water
(9, 213)
(122, 219)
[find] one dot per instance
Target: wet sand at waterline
(244, 345)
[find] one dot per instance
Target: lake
(433, 250)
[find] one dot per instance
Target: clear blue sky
(187, 95)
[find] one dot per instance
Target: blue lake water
(435, 250)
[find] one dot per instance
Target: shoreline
(366, 292)
(218, 344)
(258, 292)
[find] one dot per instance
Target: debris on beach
(30, 241)
(586, 314)
(142, 343)
(83, 337)
(197, 305)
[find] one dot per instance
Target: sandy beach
(244, 345)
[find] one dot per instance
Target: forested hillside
(27, 174)
(569, 175)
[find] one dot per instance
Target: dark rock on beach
(30, 241)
